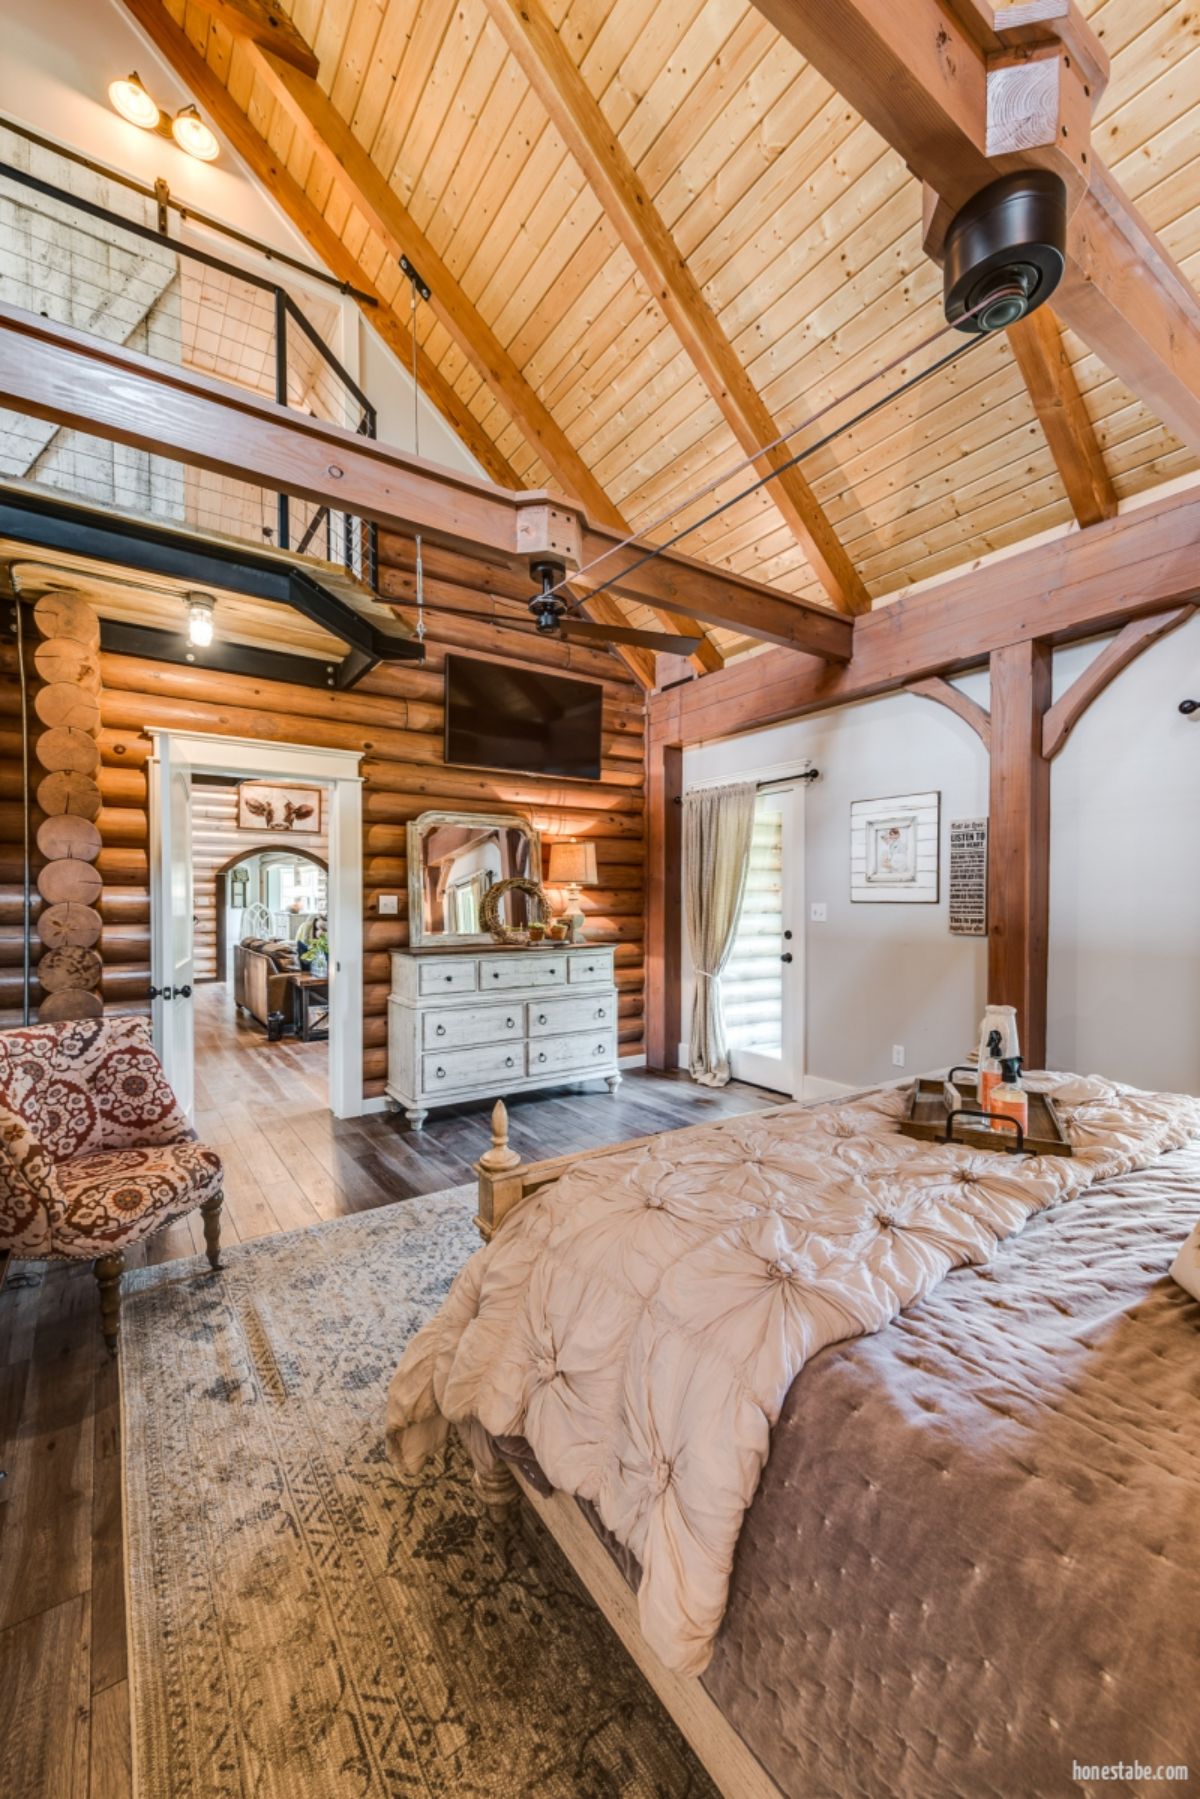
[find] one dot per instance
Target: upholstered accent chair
(95, 1153)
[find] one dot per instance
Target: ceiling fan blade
(586, 631)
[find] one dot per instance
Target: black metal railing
(77, 260)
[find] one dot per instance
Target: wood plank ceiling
(798, 227)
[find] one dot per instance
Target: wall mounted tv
(501, 716)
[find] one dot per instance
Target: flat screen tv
(500, 716)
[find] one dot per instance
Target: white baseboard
(378, 1104)
(816, 1087)
(632, 1061)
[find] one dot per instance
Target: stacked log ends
(67, 749)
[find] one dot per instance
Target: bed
(967, 1563)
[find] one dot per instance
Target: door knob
(183, 992)
(786, 956)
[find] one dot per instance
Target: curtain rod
(773, 781)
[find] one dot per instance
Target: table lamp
(573, 865)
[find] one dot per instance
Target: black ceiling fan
(551, 616)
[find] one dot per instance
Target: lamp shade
(572, 865)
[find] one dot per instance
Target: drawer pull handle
(541, 1018)
(541, 1055)
(510, 1024)
(599, 1049)
(508, 1062)
(441, 1074)
(441, 1031)
(495, 974)
(449, 978)
(600, 1012)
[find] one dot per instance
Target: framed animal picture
(292, 811)
(894, 849)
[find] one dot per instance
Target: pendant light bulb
(193, 135)
(133, 103)
(200, 620)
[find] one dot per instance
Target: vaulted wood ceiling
(567, 354)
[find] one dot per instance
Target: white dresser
(483, 1023)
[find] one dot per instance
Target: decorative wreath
(489, 910)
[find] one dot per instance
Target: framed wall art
(894, 850)
(290, 810)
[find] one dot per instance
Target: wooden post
(498, 1190)
(1019, 841)
(664, 923)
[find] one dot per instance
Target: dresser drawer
(586, 1049)
(542, 969)
(551, 1017)
(499, 1062)
(454, 1026)
(589, 966)
(448, 977)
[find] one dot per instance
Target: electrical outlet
(389, 905)
(897, 1055)
(818, 912)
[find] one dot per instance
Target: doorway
(762, 986)
(177, 761)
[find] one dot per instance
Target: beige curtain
(718, 825)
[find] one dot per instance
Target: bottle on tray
(989, 1070)
(1009, 1099)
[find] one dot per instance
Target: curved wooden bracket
(971, 713)
(1137, 636)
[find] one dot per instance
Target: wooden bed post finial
(499, 1186)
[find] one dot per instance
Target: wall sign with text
(968, 877)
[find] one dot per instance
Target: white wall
(1125, 873)
(1124, 995)
(875, 974)
(56, 60)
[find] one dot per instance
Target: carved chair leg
(497, 1490)
(108, 1279)
(210, 1211)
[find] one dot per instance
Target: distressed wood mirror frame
(420, 829)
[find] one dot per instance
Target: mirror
(453, 858)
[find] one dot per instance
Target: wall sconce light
(187, 129)
(200, 607)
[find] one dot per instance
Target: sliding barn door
(171, 923)
(762, 988)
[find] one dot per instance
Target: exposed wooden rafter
(944, 693)
(920, 76)
(264, 22)
(1138, 635)
(54, 372)
(345, 160)
(1037, 344)
(563, 92)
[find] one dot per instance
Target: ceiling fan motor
(547, 607)
(1005, 251)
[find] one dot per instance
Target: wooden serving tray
(926, 1120)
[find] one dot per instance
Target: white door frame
(338, 772)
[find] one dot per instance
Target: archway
(221, 884)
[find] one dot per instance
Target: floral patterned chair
(95, 1153)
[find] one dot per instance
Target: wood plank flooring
(64, 1699)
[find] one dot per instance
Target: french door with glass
(762, 987)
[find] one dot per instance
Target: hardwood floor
(64, 1701)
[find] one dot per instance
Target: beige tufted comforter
(641, 1321)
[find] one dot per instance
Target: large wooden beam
(1019, 841)
(52, 371)
(1083, 584)
(630, 208)
(1137, 636)
(919, 76)
(1038, 347)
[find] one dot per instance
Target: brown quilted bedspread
(974, 1556)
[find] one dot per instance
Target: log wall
(395, 719)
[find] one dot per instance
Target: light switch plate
(818, 912)
(389, 905)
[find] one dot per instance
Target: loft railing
(75, 259)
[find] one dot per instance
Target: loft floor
(64, 1701)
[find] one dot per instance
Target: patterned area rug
(304, 1622)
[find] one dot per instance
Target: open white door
(762, 986)
(171, 952)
